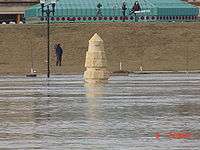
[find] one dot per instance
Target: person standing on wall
(124, 8)
(59, 52)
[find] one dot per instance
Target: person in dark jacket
(99, 12)
(124, 8)
(59, 52)
(136, 6)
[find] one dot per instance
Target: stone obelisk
(96, 62)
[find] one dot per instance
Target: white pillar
(96, 62)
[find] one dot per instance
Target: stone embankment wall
(169, 47)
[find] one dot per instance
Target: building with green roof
(111, 11)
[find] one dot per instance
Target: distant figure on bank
(59, 52)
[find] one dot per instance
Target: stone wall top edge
(19, 1)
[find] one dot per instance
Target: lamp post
(46, 9)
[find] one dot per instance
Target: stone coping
(19, 1)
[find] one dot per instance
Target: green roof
(88, 8)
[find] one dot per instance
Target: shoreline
(111, 74)
(156, 47)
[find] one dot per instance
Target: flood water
(63, 113)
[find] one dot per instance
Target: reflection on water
(92, 94)
(64, 113)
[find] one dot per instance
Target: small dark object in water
(31, 75)
(120, 73)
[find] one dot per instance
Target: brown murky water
(64, 113)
